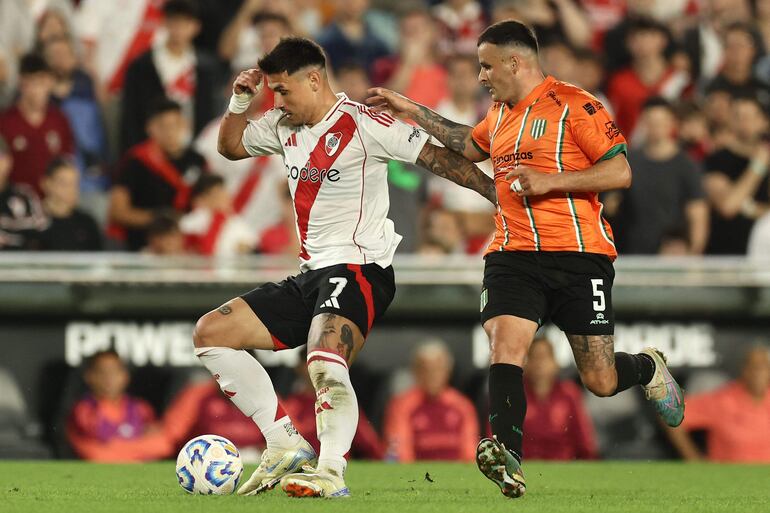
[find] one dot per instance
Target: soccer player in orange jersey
(554, 148)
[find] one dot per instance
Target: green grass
(62, 487)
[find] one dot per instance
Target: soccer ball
(209, 464)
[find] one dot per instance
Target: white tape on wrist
(516, 186)
(239, 103)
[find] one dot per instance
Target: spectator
(559, 61)
(74, 91)
(743, 45)
(52, 24)
(155, 175)
(415, 72)
(736, 181)
(557, 426)
(172, 68)
(354, 82)
(591, 76)
(251, 34)
(431, 421)
(108, 425)
(746, 401)
(69, 228)
(7, 79)
(281, 237)
(21, 214)
(704, 42)
(213, 228)
(349, 39)
(113, 34)
(668, 191)
(442, 233)
(462, 106)
(164, 237)
(694, 130)
(558, 19)
(460, 24)
(650, 74)
(34, 128)
(201, 408)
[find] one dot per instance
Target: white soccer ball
(209, 464)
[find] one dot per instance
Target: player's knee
(204, 334)
(600, 384)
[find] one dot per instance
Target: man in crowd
(431, 421)
(21, 214)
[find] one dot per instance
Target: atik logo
(332, 143)
(600, 319)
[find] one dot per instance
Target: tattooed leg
(595, 359)
(333, 342)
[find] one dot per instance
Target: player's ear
(314, 76)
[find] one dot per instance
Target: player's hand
(525, 181)
(249, 81)
(382, 99)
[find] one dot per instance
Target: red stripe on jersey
(366, 290)
(364, 110)
(363, 184)
(307, 191)
(151, 20)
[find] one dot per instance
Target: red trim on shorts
(277, 344)
(366, 290)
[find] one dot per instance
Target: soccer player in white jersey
(335, 153)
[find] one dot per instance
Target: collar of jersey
(327, 117)
(534, 94)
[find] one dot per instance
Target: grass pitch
(62, 487)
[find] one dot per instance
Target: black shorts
(573, 290)
(360, 293)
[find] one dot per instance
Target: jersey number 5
(599, 304)
(340, 284)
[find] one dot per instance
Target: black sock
(507, 405)
(633, 369)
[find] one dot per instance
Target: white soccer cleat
(315, 483)
(277, 463)
(663, 390)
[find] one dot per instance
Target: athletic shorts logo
(600, 319)
(538, 128)
(484, 299)
(332, 143)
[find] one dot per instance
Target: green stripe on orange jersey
(557, 128)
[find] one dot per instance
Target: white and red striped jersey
(337, 173)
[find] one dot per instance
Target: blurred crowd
(419, 413)
(109, 112)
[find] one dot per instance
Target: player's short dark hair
(204, 184)
(56, 164)
(291, 55)
(268, 16)
(658, 101)
(509, 33)
(91, 361)
(33, 63)
(181, 8)
(162, 105)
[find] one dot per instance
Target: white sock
(336, 408)
(243, 379)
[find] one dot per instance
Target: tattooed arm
(455, 136)
(448, 164)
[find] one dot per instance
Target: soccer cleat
(664, 391)
(315, 483)
(275, 464)
(500, 467)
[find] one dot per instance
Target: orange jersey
(557, 128)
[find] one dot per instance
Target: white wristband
(239, 103)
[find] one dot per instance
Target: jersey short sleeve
(480, 136)
(594, 130)
(392, 139)
(261, 135)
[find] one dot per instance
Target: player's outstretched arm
(606, 175)
(455, 136)
(447, 164)
(230, 142)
